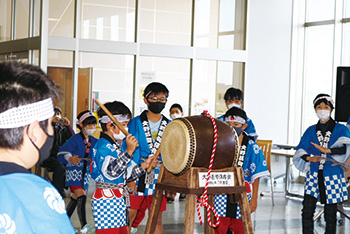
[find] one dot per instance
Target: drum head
(175, 147)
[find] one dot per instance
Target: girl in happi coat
(322, 148)
(76, 155)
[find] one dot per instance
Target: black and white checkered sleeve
(136, 172)
(113, 168)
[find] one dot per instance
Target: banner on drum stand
(217, 179)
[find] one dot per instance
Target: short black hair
(324, 100)
(155, 88)
(233, 93)
(176, 105)
(116, 108)
(88, 120)
(234, 111)
(56, 108)
(22, 84)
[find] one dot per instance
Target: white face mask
(90, 131)
(119, 136)
(323, 114)
(233, 105)
(174, 116)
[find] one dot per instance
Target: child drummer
(109, 170)
(254, 167)
(148, 128)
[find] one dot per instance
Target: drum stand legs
(188, 184)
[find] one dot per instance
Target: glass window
(318, 10)
(240, 24)
(36, 24)
(5, 20)
(203, 83)
(35, 59)
(61, 18)
(224, 81)
(229, 74)
(347, 8)
(18, 56)
(22, 19)
(112, 76)
(346, 45)
(318, 69)
(206, 23)
(173, 73)
(226, 41)
(108, 20)
(59, 58)
(165, 22)
(231, 26)
(227, 19)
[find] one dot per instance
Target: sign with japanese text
(217, 179)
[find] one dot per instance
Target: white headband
(325, 97)
(146, 96)
(26, 114)
(235, 119)
(120, 118)
(84, 116)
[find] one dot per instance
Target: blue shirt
(29, 204)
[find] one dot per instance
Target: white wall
(267, 72)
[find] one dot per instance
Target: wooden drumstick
(149, 169)
(115, 121)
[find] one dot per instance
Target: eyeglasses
(155, 99)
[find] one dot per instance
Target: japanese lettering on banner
(217, 179)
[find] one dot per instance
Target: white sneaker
(87, 229)
(133, 230)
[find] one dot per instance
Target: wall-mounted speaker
(342, 99)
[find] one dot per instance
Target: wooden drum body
(188, 142)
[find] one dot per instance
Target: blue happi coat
(29, 204)
(105, 152)
(76, 146)
(254, 167)
(109, 167)
(143, 152)
(334, 180)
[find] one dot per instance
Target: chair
(265, 146)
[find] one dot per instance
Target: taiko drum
(188, 142)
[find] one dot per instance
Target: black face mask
(156, 107)
(44, 151)
(238, 130)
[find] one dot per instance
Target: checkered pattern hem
(311, 185)
(335, 189)
(220, 204)
(109, 213)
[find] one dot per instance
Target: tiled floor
(284, 217)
